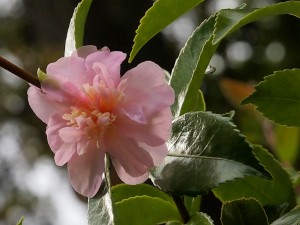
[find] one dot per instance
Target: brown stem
(19, 72)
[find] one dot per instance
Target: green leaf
(243, 211)
(194, 58)
(124, 191)
(286, 143)
(205, 150)
(200, 219)
(161, 14)
(291, 218)
(278, 97)
(267, 192)
(230, 20)
(192, 204)
(190, 67)
(76, 28)
(145, 210)
(20, 221)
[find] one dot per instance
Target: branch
(19, 72)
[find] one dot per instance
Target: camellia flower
(91, 110)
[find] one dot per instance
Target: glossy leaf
(278, 97)
(160, 15)
(200, 219)
(230, 20)
(290, 218)
(243, 211)
(145, 210)
(190, 67)
(76, 27)
(124, 191)
(267, 192)
(205, 150)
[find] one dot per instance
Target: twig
(19, 72)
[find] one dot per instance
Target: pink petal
(55, 123)
(85, 171)
(70, 134)
(154, 133)
(41, 105)
(64, 153)
(127, 178)
(72, 68)
(148, 80)
(158, 153)
(84, 51)
(112, 60)
(134, 159)
(134, 112)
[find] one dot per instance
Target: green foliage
(130, 205)
(243, 211)
(290, 218)
(189, 69)
(76, 28)
(205, 150)
(278, 97)
(275, 192)
(160, 15)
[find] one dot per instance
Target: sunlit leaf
(161, 14)
(145, 210)
(76, 28)
(190, 67)
(205, 150)
(278, 97)
(243, 211)
(290, 218)
(267, 192)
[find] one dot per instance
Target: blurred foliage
(33, 35)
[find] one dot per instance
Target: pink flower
(91, 110)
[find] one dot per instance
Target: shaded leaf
(192, 204)
(205, 150)
(278, 97)
(145, 210)
(76, 27)
(267, 192)
(290, 218)
(190, 67)
(200, 219)
(160, 15)
(243, 211)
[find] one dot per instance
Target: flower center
(95, 112)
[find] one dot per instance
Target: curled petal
(112, 60)
(64, 153)
(70, 134)
(86, 171)
(158, 153)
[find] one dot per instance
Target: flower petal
(84, 51)
(148, 80)
(70, 134)
(134, 112)
(126, 177)
(157, 153)
(154, 133)
(112, 60)
(71, 67)
(55, 123)
(41, 105)
(85, 171)
(134, 159)
(64, 154)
